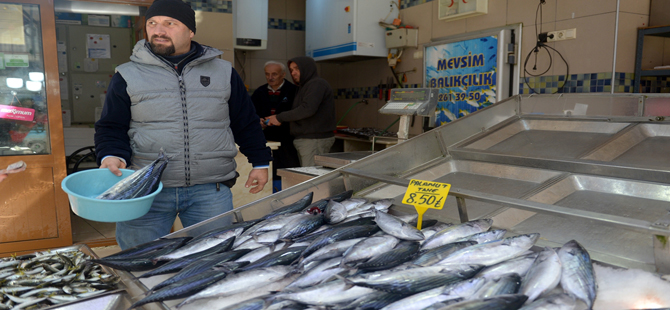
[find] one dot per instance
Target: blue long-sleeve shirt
(111, 131)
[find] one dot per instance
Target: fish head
(353, 202)
(527, 240)
(383, 203)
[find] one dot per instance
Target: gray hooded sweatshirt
(313, 112)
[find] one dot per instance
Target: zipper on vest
(187, 152)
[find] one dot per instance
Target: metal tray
(644, 144)
(337, 160)
(547, 138)
(510, 181)
(632, 199)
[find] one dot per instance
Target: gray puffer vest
(185, 115)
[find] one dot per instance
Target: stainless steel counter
(601, 178)
(337, 160)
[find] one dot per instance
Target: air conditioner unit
(250, 24)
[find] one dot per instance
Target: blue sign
(465, 73)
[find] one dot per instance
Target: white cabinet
(336, 29)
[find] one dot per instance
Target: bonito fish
(577, 277)
(543, 276)
(141, 183)
(492, 252)
(453, 233)
(241, 282)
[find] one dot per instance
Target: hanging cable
(241, 63)
(389, 126)
(351, 107)
(536, 50)
(396, 78)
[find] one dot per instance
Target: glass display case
(24, 119)
(34, 211)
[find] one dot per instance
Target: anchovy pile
(49, 278)
(350, 253)
(142, 182)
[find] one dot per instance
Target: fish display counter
(554, 200)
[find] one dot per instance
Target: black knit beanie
(176, 9)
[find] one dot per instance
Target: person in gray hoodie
(312, 116)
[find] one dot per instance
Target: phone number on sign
(459, 96)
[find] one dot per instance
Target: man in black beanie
(177, 95)
(174, 42)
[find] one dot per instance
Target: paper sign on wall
(98, 20)
(98, 46)
(16, 60)
(11, 25)
(90, 65)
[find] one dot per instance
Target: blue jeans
(193, 204)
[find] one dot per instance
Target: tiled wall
(217, 6)
(410, 3)
(286, 24)
(593, 83)
(655, 84)
(364, 92)
(577, 83)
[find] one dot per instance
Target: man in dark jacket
(177, 95)
(270, 99)
(312, 118)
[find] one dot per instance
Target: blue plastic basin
(82, 187)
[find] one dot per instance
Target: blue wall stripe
(335, 49)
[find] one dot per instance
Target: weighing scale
(408, 102)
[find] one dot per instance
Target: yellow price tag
(425, 194)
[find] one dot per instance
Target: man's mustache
(160, 37)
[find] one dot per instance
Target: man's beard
(162, 50)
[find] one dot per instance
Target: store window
(24, 127)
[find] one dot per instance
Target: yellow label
(426, 194)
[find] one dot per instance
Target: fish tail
(186, 301)
(347, 283)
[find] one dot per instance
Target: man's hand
(272, 120)
(257, 180)
(114, 164)
(263, 124)
(3, 176)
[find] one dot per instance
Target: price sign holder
(424, 195)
